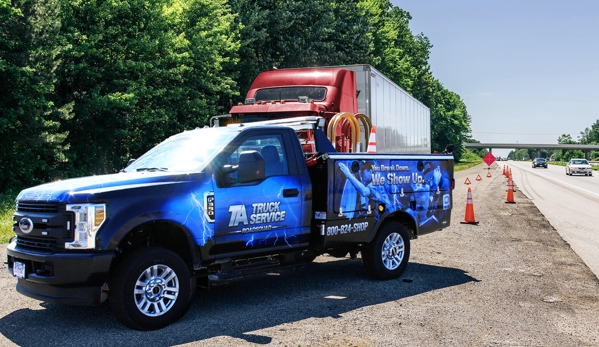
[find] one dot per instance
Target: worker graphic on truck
(359, 192)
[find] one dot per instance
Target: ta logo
(238, 215)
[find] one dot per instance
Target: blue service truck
(210, 204)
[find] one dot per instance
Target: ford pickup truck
(210, 204)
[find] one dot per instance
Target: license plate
(18, 269)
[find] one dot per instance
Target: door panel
(263, 214)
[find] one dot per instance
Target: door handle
(289, 193)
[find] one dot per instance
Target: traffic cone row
(507, 171)
(469, 217)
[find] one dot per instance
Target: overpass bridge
(537, 146)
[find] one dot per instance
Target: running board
(252, 269)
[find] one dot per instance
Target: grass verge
(467, 161)
(7, 208)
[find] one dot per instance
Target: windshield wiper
(152, 169)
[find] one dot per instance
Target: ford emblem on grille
(26, 225)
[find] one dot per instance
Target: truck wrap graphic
(379, 186)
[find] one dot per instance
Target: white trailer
(403, 124)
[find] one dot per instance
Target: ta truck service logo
(261, 213)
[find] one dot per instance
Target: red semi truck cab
(305, 92)
(323, 92)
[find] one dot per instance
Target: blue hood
(85, 188)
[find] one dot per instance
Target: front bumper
(581, 171)
(62, 278)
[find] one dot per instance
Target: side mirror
(250, 167)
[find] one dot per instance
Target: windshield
(291, 93)
(187, 151)
(580, 162)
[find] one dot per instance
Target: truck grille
(40, 207)
(53, 226)
(38, 244)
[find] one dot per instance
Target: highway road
(570, 203)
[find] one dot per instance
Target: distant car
(539, 162)
(579, 166)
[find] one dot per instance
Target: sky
(527, 70)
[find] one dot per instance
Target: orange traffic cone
(510, 192)
(509, 178)
(469, 217)
(372, 141)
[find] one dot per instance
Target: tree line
(87, 85)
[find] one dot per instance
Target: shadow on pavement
(236, 309)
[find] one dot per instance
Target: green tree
(99, 82)
(140, 71)
(31, 144)
(293, 33)
(590, 136)
(395, 51)
(207, 53)
(521, 154)
(480, 152)
(565, 155)
(450, 121)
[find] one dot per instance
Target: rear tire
(151, 288)
(386, 257)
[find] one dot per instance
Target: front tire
(151, 288)
(386, 257)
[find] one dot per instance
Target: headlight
(88, 220)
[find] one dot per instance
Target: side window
(273, 151)
(274, 155)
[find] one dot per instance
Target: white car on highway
(579, 166)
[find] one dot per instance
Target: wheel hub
(155, 289)
(393, 251)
